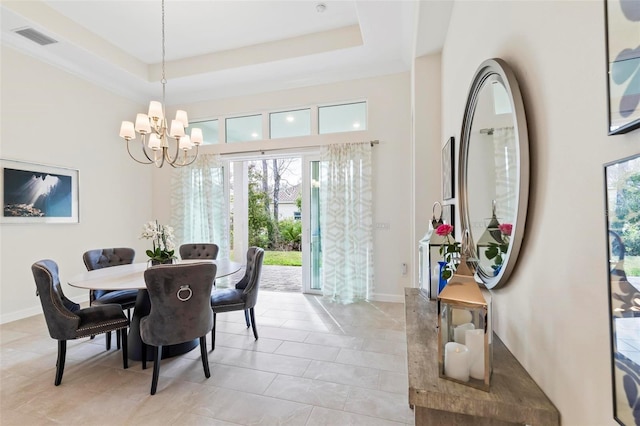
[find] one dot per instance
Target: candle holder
(464, 344)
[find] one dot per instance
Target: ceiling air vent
(35, 36)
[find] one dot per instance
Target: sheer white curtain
(198, 205)
(346, 226)
(506, 177)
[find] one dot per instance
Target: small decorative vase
(441, 282)
(153, 262)
(496, 269)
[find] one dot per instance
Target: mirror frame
(487, 69)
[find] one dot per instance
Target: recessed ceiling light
(321, 7)
(356, 125)
(290, 118)
(254, 135)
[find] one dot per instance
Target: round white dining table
(131, 277)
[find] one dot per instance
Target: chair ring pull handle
(184, 288)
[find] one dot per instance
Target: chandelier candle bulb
(181, 116)
(196, 136)
(155, 110)
(177, 129)
(185, 142)
(154, 142)
(142, 124)
(126, 130)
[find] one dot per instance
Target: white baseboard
(34, 310)
(383, 297)
(25, 313)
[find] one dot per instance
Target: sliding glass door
(311, 241)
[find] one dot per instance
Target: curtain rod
(373, 142)
(292, 150)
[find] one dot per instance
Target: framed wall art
(622, 23)
(448, 166)
(622, 193)
(38, 193)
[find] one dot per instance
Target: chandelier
(156, 135)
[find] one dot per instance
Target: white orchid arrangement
(163, 241)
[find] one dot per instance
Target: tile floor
(316, 363)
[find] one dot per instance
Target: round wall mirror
(494, 172)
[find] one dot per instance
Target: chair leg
(118, 339)
(144, 355)
(156, 370)
(213, 333)
(108, 339)
(125, 355)
(203, 355)
(253, 323)
(62, 353)
(246, 317)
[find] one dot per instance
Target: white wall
(553, 313)
(427, 157)
(388, 121)
(52, 117)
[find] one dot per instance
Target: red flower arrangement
(496, 251)
(450, 250)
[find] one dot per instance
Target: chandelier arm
(175, 164)
(155, 158)
(173, 160)
(192, 158)
(144, 149)
(134, 158)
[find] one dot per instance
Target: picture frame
(38, 193)
(622, 212)
(622, 36)
(448, 166)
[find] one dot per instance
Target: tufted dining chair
(180, 310)
(105, 258)
(66, 320)
(199, 251)
(243, 296)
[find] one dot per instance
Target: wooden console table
(514, 398)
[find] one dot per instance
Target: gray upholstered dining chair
(180, 310)
(199, 251)
(104, 258)
(243, 296)
(66, 320)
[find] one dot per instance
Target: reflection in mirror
(494, 171)
(622, 180)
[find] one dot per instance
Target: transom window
(348, 117)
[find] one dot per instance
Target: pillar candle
(458, 332)
(474, 341)
(456, 361)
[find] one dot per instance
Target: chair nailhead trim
(103, 325)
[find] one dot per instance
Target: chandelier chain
(164, 79)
